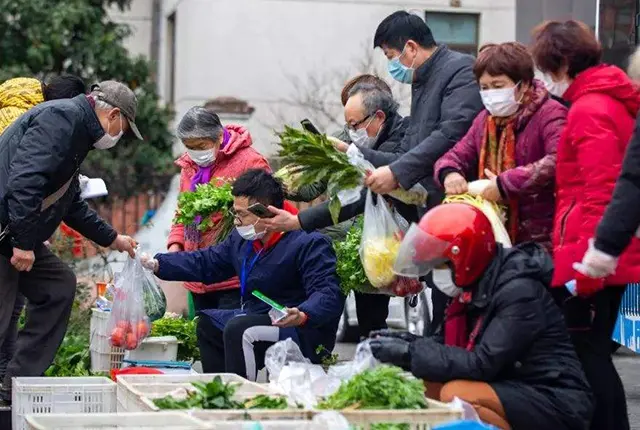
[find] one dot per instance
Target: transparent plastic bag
(280, 354)
(128, 322)
(416, 195)
(382, 234)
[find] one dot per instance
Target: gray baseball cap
(119, 95)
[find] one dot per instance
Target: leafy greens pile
(349, 266)
(197, 207)
(219, 395)
(310, 158)
(385, 387)
(184, 330)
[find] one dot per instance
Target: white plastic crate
(61, 395)
(134, 391)
(163, 348)
(104, 357)
(125, 421)
(266, 425)
(417, 419)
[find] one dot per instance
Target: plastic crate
(266, 415)
(135, 391)
(417, 419)
(61, 395)
(104, 357)
(156, 349)
(127, 421)
(266, 425)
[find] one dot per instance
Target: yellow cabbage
(378, 256)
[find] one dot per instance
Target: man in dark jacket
(445, 99)
(40, 155)
(621, 221)
(297, 270)
(507, 350)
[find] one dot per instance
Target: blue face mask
(399, 71)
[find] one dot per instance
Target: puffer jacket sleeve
(208, 265)
(86, 221)
(622, 217)
(518, 320)
(460, 105)
(318, 216)
(316, 263)
(533, 177)
(598, 148)
(40, 152)
(17, 96)
(463, 157)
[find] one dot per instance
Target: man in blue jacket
(295, 269)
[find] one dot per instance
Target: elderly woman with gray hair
(213, 151)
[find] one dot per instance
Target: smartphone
(277, 312)
(308, 125)
(260, 210)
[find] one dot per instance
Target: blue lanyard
(245, 271)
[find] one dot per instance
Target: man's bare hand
(23, 260)
(282, 222)
(125, 244)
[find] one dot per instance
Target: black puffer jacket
(39, 153)
(389, 142)
(522, 350)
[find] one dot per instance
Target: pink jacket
(231, 162)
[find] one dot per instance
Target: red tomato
(132, 341)
(117, 337)
(124, 325)
(142, 329)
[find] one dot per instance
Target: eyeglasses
(239, 218)
(355, 126)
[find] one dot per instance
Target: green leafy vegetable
(262, 401)
(348, 265)
(310, 158)
(184, 330)
(385, 387)
(73, 357)
(212, 395)
(328, 359)
(197, 207)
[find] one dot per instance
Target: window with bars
(459, 31)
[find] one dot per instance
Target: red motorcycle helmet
(455, 232)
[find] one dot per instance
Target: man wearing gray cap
(40, 157)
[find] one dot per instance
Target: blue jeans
(8, 347)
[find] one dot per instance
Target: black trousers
(590, 322)
(8, 347)
(221, 351)
(372, 311)
(49, 288)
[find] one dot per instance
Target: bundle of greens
(310, 158)
(262, 401)
(213, 395)
(184, 330)
(348, 265)
(197, 207)
(385, 387)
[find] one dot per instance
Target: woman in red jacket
(603, 105)
(213, 152)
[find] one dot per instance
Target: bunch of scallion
(310, 158)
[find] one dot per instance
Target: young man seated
(295, 269)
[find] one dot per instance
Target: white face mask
(361, 138)
(107, 141)
(500, 102)
(248, 232)
(556, 88)
(203, 157)
(443, 280)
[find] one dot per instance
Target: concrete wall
(139, 18)
(530, 13)
(257, 50)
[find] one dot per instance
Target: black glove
(398, 334)
(391, 350)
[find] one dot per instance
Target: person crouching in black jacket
(506, 348)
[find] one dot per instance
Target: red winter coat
(604, 105)
(232, 161)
